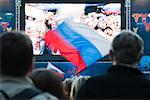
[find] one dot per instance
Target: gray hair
(126, 47)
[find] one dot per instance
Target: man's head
(127, 48)
(16, 54)
(108, 31)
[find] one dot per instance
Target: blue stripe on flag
(88, 51)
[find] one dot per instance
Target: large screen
(140, 21)
(7, 15)
(104, 18)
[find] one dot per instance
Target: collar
(16, 79)
(14, 85)
(122, 69)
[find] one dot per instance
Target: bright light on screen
(103, 18)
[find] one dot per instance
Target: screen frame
(57, 58)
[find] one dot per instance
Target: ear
(111, 55)
(140, 56)
(31, 67)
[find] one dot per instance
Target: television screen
(7, 15)
(104, 18)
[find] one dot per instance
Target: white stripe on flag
(52, 67)
(101, 43)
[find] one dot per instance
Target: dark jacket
(120, 82)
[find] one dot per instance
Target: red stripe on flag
(54, 41)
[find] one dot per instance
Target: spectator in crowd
(76, 84)
(108, 31)
(72, 85)
(48, 81)
(16, 63)
(123, 80)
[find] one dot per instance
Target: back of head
(47, 80)
(127, 48)
(16, 54)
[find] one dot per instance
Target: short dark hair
(126, 47)
(16, 54)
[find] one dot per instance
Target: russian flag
(78, 43)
